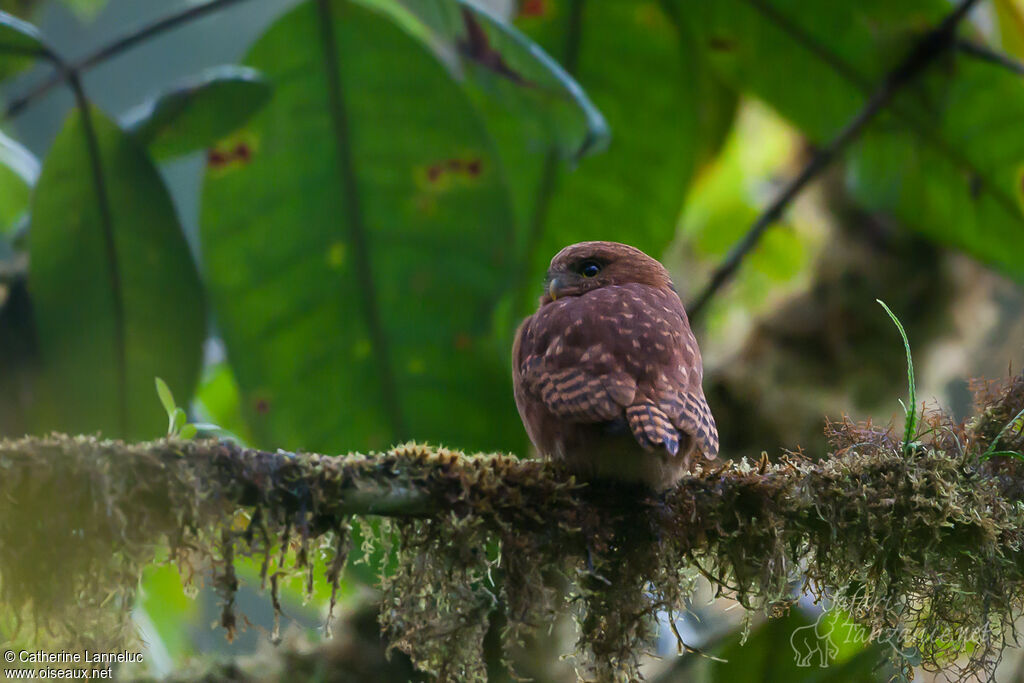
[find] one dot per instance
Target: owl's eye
(589, 268)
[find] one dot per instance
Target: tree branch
(930, 539)
(924, 52)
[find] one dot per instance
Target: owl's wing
(573, 383)
(579, 393)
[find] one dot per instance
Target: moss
(926, 546)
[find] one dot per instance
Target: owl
(607, 373)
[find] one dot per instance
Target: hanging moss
(923, 545)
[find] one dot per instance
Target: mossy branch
(922, 542)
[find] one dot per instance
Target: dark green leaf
(116, 294)
(946, 157)
(20, 45)
(356, 235)
(195, 114)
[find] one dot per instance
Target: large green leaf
(116, 295)
(947, 156)
(198, 112)
(648, 80)
(356, 234)
(513, 72)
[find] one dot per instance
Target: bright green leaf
(355, 250)
(166, 397)
(910, 410)
(116, 294)
(198, 112)
(188, 431)
(178, 420)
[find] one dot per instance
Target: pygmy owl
(607, 372)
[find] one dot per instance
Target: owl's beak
(554, 286)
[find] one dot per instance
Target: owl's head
(582, 267)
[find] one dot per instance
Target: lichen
(924, 544)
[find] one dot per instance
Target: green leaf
(198, 112)
(1011, 454)
(947, 155)
(116, 294)
(356, 234)
(178, 420)
(173, 616)
(661, 131)
(795, 648)
(188, 431)
(218, 403)
(911, 410)
(20, 37)
(20, 45)
(501, 64)
(18, 172)
(166, 397)
(1008, 427)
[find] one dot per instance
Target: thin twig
(989, 55)
(923, 53)
(112, 50)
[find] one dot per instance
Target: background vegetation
(320, 221)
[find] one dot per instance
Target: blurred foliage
(386, 180)
(945, 158)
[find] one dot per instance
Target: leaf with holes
(946, 156)
(356, 235)
(116, 295)
(196, 113)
